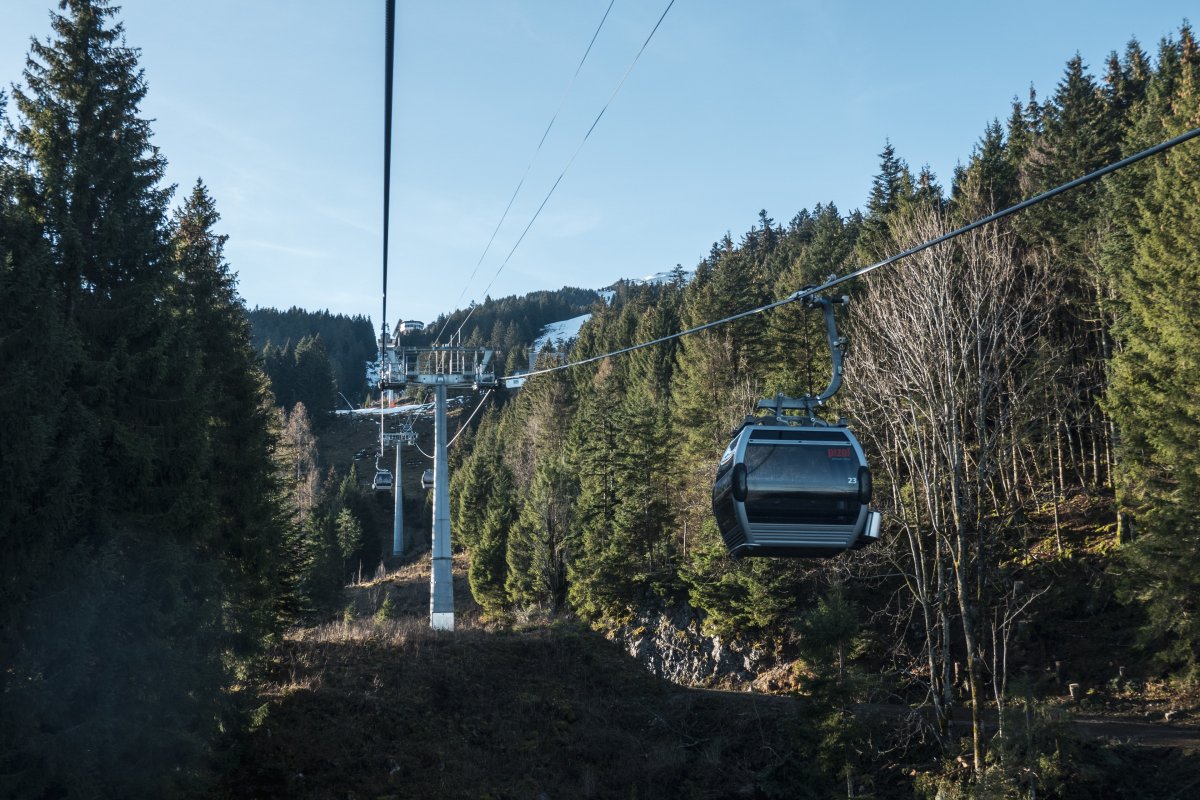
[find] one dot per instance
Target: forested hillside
(509, 324)
(1027, 394)
(284, 337)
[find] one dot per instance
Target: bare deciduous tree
(943, 370)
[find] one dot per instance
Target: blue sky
(734, 107)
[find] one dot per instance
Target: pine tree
(488, 571)
(599, 585)
(1154, 388)
(122, 657)
(315, 385)
(40, 473)
(540, 543)
(241, 483)
(890, 189)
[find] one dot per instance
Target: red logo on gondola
(838, 452)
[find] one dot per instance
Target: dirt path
(1123, 728)
(1146, 733)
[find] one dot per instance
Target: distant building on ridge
(411, 326)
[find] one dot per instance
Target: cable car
(794, 490)
(427, 479)
(792, 484)
(383, 481)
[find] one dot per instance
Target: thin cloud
(286, 249)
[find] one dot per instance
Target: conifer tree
(39, 460)
(488, 571)
(240, 479)
(718, 375)
(990, 173)
(890, 189)
(824, 246)
(1079, 133)
(472, 482)
(314, 382)
(123, 654)
(540, 543)
(598, 584)
(830, 636)
(1155, 384)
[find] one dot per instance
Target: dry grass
(365, 708)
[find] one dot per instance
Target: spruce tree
(540, 543)
(315, 385)
(1154, 388)
(240, 479)
(1079, 132)
(488, 570)
(599, 585)
(990, 173)
(800, 354)
(471, 483)
(122, 660)
(40, 473)
(890, 189)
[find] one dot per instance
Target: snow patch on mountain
(562, 331)
(663, 277)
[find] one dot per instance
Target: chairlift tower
(406, 435)
(442, 367)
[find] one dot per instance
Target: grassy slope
(377, 709)
(390, 709)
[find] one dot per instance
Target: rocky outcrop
(670, 644)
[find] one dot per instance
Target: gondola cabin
(383, 481)
(794, 490)
(427, 479)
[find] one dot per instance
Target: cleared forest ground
(386, 708)
(366, 708)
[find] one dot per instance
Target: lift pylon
(442, 367)
(406, 435)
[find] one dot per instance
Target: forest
(158, 521)
(508, 324)
(1026, 394)
(295, 344)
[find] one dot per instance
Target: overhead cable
(463, 427)
(575, 155)
(553, 117)
(837, 281)
(389, 58)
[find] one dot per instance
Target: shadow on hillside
(393, 709)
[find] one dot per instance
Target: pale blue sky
(735, 106)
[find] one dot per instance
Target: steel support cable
(389, 58)
(832, 282)
(575, 155)
(553, 118)
(463, 427)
